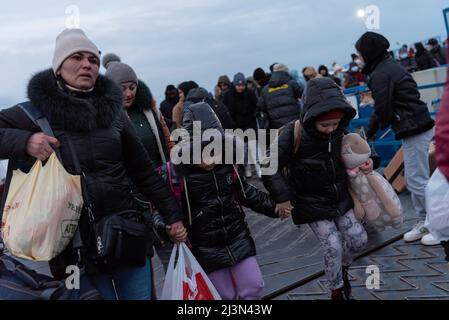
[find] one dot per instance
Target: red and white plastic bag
(185, 279)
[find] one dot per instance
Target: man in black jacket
(397, 103)
(242, 104)
(279, 100)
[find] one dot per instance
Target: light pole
(361, 13)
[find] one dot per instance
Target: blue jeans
(130, 283)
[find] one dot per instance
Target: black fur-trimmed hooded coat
(104, 139)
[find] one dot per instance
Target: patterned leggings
(340, 239)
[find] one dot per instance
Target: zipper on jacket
(334, 176)
(222, 217)
(198, 215)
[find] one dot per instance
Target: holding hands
(284, 209)
(177, 232)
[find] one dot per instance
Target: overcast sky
(170, 41)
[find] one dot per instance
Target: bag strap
(36, 115)
(38, 118)
(77, 242)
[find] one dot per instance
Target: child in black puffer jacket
(317, 189)
(220, 238)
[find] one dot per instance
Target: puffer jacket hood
(279, 78)
(321, 96)
(200, 112)
(196, 95)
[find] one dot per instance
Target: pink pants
(242, 281)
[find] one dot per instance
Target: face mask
(355, 69)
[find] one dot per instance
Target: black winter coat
(242, 108)
(425, 61)
(219, 234)
(104, 139)
(317, 184)
(279, 99)
(398, 102)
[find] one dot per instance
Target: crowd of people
(123, 143)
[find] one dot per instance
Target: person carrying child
(316, 192)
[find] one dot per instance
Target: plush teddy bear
(374, 198)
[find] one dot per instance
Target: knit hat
(71, 41)
(118, 71)
(333, 114)
(259, 74)
(280, 67)
(239, 78)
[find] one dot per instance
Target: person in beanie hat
(242, 104)
(86, 107)
(71, 41)
(118, 71)
(398, 104)
(279, 100)
(316, 192)
(280, 67)
(150, 127)
(261, 77)
(239, 79)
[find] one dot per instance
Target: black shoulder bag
(116, 239)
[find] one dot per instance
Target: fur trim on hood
(77, 111)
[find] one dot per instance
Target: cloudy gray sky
(172, 41)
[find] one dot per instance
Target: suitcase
(394, 171)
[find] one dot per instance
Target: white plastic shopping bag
(42, 210)
(437, 206)
(187, 280)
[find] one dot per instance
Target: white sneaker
(416, 233)
(429, 240)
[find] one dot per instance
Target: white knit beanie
(71, 41)
(280, 67)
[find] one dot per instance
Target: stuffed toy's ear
(355, 150)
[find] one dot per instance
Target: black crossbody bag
(120, 238)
